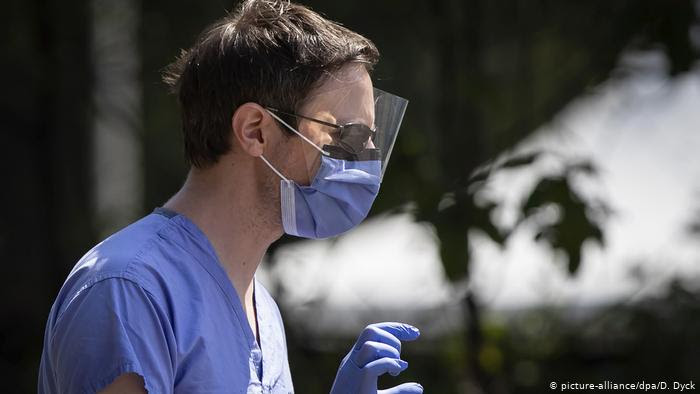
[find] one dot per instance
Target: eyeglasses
(353, 137)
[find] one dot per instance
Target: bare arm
(128, 383)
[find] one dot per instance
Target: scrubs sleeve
(111, 328)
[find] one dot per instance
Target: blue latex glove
(376, 352)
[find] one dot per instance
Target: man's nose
(370, 144)
(326, 139)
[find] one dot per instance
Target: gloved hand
(376, 352)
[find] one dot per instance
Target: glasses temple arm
(305, 117)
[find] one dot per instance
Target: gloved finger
(372, 350)
(406, 388)
(376, 368)
(402, 331)
(376, 334)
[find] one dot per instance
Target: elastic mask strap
(279, 174)
(323, 152)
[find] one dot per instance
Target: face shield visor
(351, 121)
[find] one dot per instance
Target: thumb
(406, 388)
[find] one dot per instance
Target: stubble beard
(270, 210)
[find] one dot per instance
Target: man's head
(271, 53)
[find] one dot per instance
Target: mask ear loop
(287, 196)
(279, 174)
(323, 152)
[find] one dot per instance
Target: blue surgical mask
(338, 198)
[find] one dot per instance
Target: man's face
(345, 97)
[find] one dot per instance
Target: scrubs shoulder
(154, 300)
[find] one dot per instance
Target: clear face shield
(345, 120)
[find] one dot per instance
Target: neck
(230, 208)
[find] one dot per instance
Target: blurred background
(539, 220)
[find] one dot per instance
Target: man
(284, 133)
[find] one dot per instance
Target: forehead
(347, 95)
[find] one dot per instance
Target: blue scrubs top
(154, 300)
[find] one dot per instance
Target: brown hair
(269, 52)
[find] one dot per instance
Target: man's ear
(251, 127)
